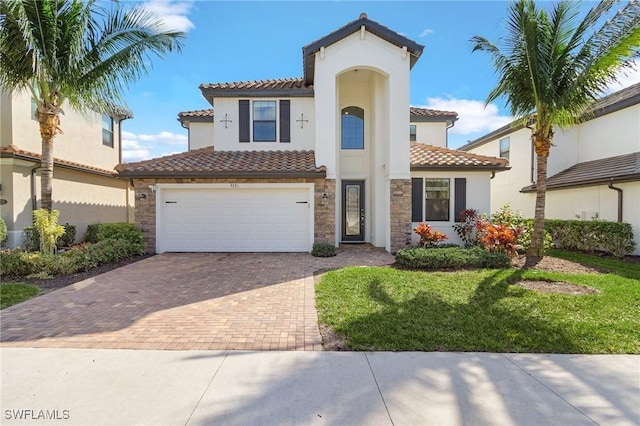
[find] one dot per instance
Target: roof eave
(591, 182)
(436, 119)
(427, 168)
(105, 173)
(225, 175)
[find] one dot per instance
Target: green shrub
(31, 238)
(19, 263)
(615, 238)
(46, 223)
(451, 257)
(323, 250)
(91, 234)
(524, 241)
(120, 230)
(3, 231)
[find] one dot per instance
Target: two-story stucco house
(335, 156)
(86, 188)
(593, 167)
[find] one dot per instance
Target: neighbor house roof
(197, 116)
(621, 99)
(13, 151)
(621, 168)
(430, 157)
(308, 51)
(206, 162)
(418, 115)
(286, 87)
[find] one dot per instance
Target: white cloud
(173, 13)
(426, 32)
(128, 135)
(132, 150)
(165, 138)
(473, 116)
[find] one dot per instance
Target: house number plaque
(234, 185)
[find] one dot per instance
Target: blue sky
(242, 40)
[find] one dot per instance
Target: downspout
(126, 193)
(34, 199)
(188, 134)
(533, 166)
(619, 190)
(446, 142)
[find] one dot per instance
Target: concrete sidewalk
(124, 387)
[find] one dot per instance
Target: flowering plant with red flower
(429, 237)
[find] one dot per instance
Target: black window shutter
(460, 202)
(285, 121)
(244, 121)
(417, 200)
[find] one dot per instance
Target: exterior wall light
(324, 199)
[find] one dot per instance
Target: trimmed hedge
(119, 230)
(615, 238)
(451, 257)
(323, 250)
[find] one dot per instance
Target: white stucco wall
(228, 139)
(431, 133)
(506, 185)
(478, 194)
(81, 141)
(200, 135)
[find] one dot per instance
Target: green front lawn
(383, 308)
(12, 293)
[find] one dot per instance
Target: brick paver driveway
(185, 301)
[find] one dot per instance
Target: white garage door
(243, 219)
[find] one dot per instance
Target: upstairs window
(34, 110)
(412, 133)
(352, 128)
(264, 121)
(504, 147)
(107, 130)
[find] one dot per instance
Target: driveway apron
(180, 301)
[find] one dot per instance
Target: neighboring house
(323, 158)
(86, 188)
(593, 167)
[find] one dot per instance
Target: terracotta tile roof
(13, 151)
(210, 163)
(196, 113)
(425, 112)
(276, 84)
(425, 156)
(621, 168)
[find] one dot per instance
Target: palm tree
(551, 68)
(76, 51)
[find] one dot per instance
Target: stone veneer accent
(400, 217)
(146, 207)
(324, 216)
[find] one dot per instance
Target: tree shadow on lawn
(427, 322)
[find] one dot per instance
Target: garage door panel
(237, 219)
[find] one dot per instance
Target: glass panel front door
(352, 211)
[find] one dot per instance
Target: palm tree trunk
(536, 250)
(48, 129)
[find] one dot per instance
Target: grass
(378, 308)
(12, 293)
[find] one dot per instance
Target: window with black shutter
(285, 121)
(416, 200)
(244, 121)
(460, 194)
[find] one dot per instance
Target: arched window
(352, 128)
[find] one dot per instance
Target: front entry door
(353, 211)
